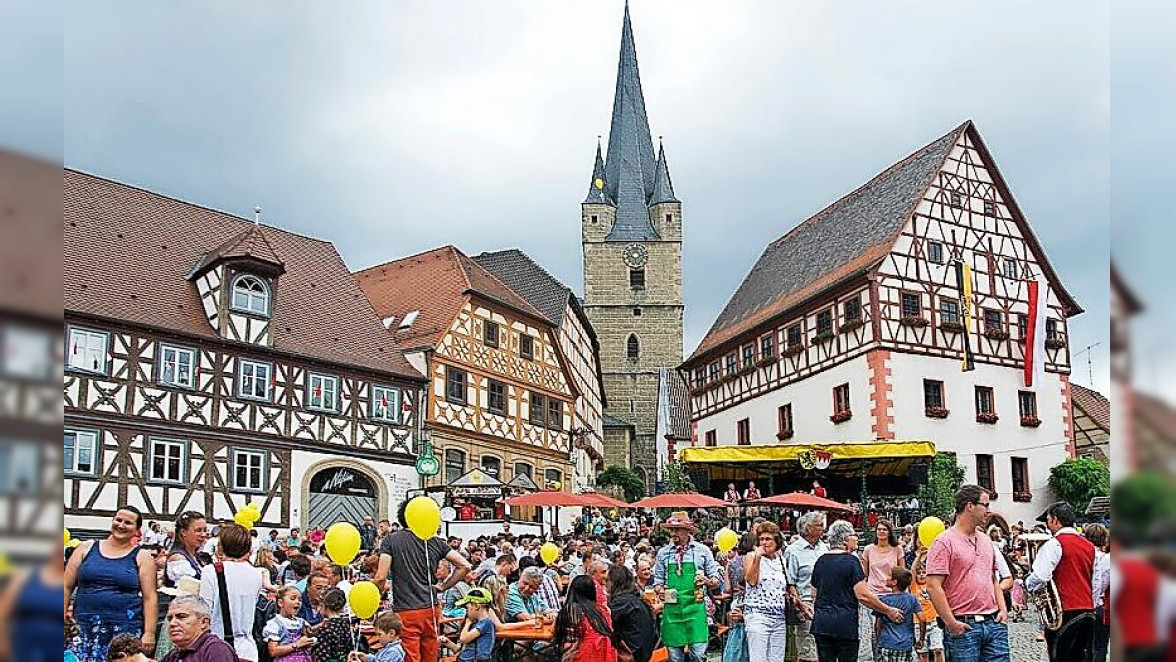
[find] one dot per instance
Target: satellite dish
(448, 514)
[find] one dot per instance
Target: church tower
(632, 238)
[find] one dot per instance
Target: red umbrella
(549, 499)
(684, 500)
(598, 500)
(803, 500)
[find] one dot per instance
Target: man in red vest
(1068, 561)
(1135, 599)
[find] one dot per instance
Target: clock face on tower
(635, 255)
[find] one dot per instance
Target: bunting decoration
(964, 283)
(1035, 332)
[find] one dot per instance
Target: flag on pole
(964, 283)
(1035, 332)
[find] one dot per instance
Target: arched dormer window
(634, 349)
(251, 295)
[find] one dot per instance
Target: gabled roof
(1095, 404)
(529, 280)
(849, 238)
(30, 282)
(248, 244)
(128, 252)
(437, 284)
(1156, 414)
(1130, 301)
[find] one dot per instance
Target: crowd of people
(225, 593)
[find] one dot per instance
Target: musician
(1068, 561)
(752, 493)
(731, 496)
(1135, 596)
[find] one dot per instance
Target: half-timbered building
(501, 393)
(1092, 424)
(577, 340)
(30, 357)
(1124, 306)
(852, 327)
(212, 361)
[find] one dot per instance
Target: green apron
(685, 623)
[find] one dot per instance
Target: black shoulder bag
(226, 616)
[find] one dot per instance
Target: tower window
(594, 218)
(636, 312)
(637, 279)
(633, 349)
(669, 218)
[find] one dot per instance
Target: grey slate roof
(663, 186)
(597, 195)
(529, 280)
(630, 167)
(840, 241)
(678, 397)
(614, 422)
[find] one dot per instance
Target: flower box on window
(1022, 497)
(823, 337)
(766, 360)
(951, 327)
(1030, 421)
(914, 322)
(747, 369)
(1054, 343)
(996, 334)
(841, 416)
(785, 436)
(987, 417)
(793, 350)
(852, 325)
(937, 412)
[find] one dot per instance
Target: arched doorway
(341, 494)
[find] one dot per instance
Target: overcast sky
(393, 127)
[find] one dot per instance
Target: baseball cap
(476, 595)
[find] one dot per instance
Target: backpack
(265, 610)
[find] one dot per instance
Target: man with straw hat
(683, 571)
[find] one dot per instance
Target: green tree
(944, 478)
(1141, 501)
(677, 479)
(626, 479)
(1078, 481)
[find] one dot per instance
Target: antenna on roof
(257, 215)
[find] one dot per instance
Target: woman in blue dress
(115, 589)
(28, 609)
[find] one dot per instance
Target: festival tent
(682, 500)
(548, 499)
(598, 500)
(802, 500)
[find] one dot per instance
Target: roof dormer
(238, 282)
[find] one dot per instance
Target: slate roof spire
(630, 167)
(596, 186)
(663, 187)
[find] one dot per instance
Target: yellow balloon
(930, 529)
(68, 537)
(423, 516)
(252, 505)
(726, 539)
(245, 518)
(599, 183)
(557, 486)
(549, 552)
(364, 600)
(343, 543)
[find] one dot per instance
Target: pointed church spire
(663, 187)
(596, 187)
(629, 169)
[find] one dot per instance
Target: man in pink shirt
(963, 584)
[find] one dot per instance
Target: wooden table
(538, 641)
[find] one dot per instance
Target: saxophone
(1049, 605)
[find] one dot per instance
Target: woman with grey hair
(839, 586)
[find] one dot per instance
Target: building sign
(491, 491)
(343, 481)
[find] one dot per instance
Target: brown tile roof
(30, 206)
(1095, 404)
(848, 238)
(128, 251)
(250, 243)
(1155, 414)
(436, 284)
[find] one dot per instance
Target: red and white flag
(1035, 332)
(406, 405)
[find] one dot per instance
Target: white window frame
(27, 352)
(170, 444)
(81, 344)
(244, 365)
(10, 467)
(935, 252)
(1011, 268)
(254, 303)
(262, 465)
(94, 437)
(392, 410)
(322, 381)
(177, 352)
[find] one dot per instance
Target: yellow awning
(863, 450)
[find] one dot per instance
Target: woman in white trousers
(765, 608)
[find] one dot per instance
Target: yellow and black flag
(964, 283)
